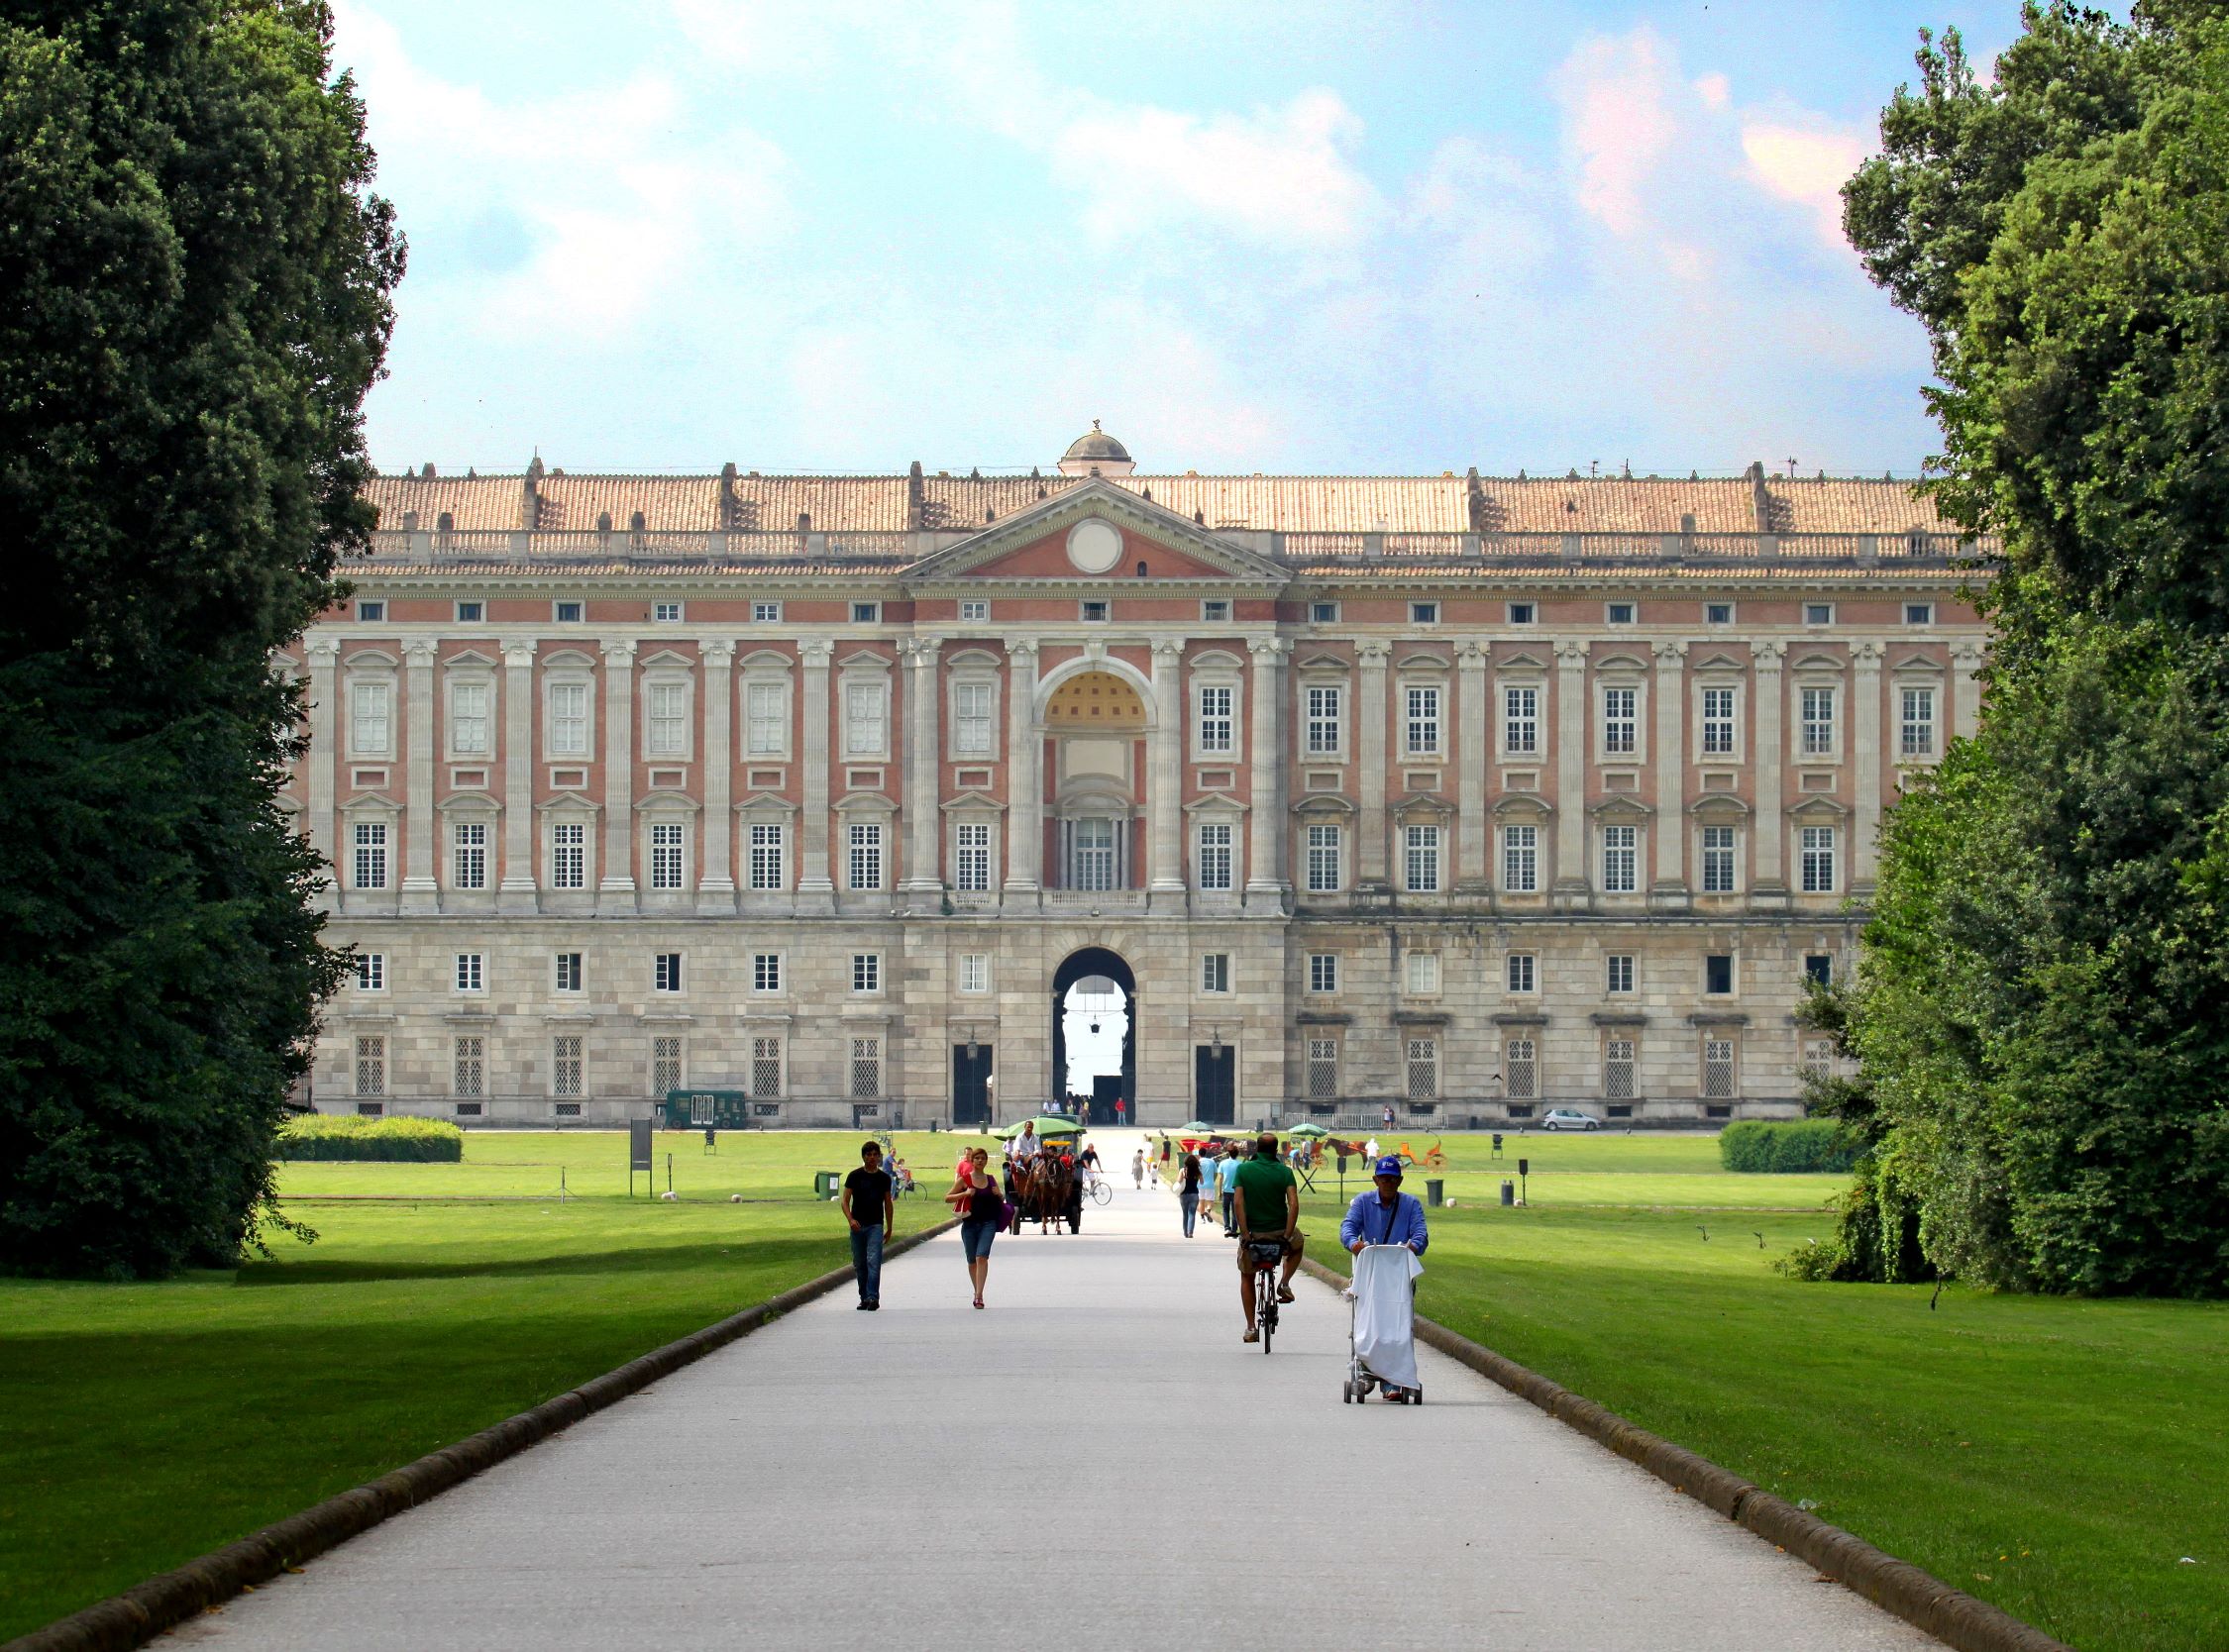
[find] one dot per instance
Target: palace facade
(1476, 796)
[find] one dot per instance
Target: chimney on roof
(429, 470)
(1758, 498)
(530, 502)
(1474, 499)
(805, 522)
(730, 508)
(916, 496)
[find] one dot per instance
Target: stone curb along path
(1919, 1598)
(135, 1616)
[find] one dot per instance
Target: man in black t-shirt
(869, 1210)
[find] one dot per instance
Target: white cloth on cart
(1385, 1332)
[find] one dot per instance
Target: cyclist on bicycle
(1267, 1214)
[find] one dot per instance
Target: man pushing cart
(1385, 1231)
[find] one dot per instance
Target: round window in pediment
(1094, 545)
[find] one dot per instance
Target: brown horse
(1042, 1190)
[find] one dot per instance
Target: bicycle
(1102, 1192)
(1266, 1256)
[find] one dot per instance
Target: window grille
(766, 1068)
(1619, 857)
(1918, 733)
(371, 857)
(765, 715)
(1718, 722)
(667, 723)
(467, 719)
(1717, 860)
(1617, 1069)
(1421, 859)
(866, 1069)
(1424, 721)
(1323, 722)
(1521, 859)
(469, 865)
(372, 1064)
(1215, 723)
(665, 1064)
(1324, 870)
(1322, 1068)
(1214, 857)
(1520, 721)
(766, 857)
(1523, 1068)
(971, 719)
(1619, 721)
(569, 856)
(1718, 1068)
(564, 1065)
(665, 857)
(1818, 860)
(469, 1070)
(568, 719)
(1818, 722)
(1424, 1070)
(866, 857)
(971, 868)
(1819, 1056)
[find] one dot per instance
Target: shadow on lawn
(649, 1259)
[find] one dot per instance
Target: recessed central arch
(1122, 671)
(1092, 978)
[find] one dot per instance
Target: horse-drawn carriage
(1047, 1187)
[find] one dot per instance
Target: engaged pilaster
(1026, 833)
(815, 889)
(1769, 887)
(421, 893)
(1868, 759)
(1474, 718)
(1265, 875)
(516, 894)
(716, 889)
(1668, 891)
(1966, 660)
(616, 891)
(1164, 802)
(325, 736)
(921, 656)
(1572, 882)
(1369, 757)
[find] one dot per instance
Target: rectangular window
(1323, 614)
(1521, 977)
(1717, 860)
(1520, 721)
(666, 722)
(1718, 613)
(1819, 1057)
(471, 613)
(568, 613)
(370, 868)
(866, 860)
(1616, 1068)
(1324, 721)
(1718, 722)
(1818, 613)
(1323, 857)
(866, 613)
(1092, 611)
(975, 972)
(1215, 971)
(569, 856)
(1521, 1066)
(569, 974)
(471, 972)
(765, 613)
(371, 972)
(372, 1064)
(1620, 973)
(666, 613)
(1323, 972)
(1916, 732)
(564, 1065)
(467, 719)
(1819, 967)
(866, 972)
(1214, 857)
(467, 1068)
(1520, 859)
(766, 1068)
(971, 859)
(371, 726)
(468, 866)
(666, 973)
(1421, 859)
(1215, 725)
(766, 857)
(1424, 613)
(866, 1069)
(1422, 1069)
(1618, 613)
(375, 612)
(1215, 610)
(1322, 1068)
(1523, 613)
(568, 719)
(1918, 613)
(974, 611)
(1718, 974)
(1620, 855)
(1423, 722)
(866, 719)
(665, 1064)
(971, 719)
(1818, 705)
(1091, 853)
(766, 972)
(766, 719)
(666, 857)
(1718, 1068)
(1619, 721)
(1422, 973)
(1818, 855)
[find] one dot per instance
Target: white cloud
(1619, 122)
(1806, 164)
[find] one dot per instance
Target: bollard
(1509, 1192)
(1432, 1189)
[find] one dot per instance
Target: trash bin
(825, 1183)
(1432, 1189)
(1509, 1192)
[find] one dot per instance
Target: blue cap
(1388, 1166)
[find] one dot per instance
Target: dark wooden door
(971, 1085)
(1215, 1082)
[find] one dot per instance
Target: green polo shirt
(1261, 1182)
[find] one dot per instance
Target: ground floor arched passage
(1095, 1033)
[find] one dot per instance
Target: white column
(324, 738)
(1768, 884)
(1265, 875)
(922, 876)
(1868, 758)
(815, 887)
(1475, 718)
(1369, 756)
(516, 894)
(715, 884)
(1670, 887)
(1966, 661)
(1164, 801)
(1025, 790)
(615, 892)
(421, 893)
(1572, 725)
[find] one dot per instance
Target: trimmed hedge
(1804, 1144)
(413, 1140)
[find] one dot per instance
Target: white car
(1568, 1118)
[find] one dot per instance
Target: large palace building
(1473, 796)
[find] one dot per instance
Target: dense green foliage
(2042, 1011)
(322, 1136)
(1755, 1146)
(197, 300)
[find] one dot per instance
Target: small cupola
(1096, 453)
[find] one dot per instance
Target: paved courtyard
(1094, 1460)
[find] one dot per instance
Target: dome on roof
(1096, 451)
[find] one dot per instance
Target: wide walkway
(1094, 1460)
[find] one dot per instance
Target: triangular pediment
(1032, 545)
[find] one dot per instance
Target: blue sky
(1298, 236)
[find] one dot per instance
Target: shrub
(1804, 1144)
(425, 1141)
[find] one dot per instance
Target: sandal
(1284, 1293)
(979, 1301)
(1251, 1336)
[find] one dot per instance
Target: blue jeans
(867, 1261)
(1190, 1204)
(1226, 1227)
(976, 1235)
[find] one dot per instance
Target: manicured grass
(144, 1424)
(2056, 1457)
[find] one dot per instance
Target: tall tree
(2043, 1008)
(199, 283)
